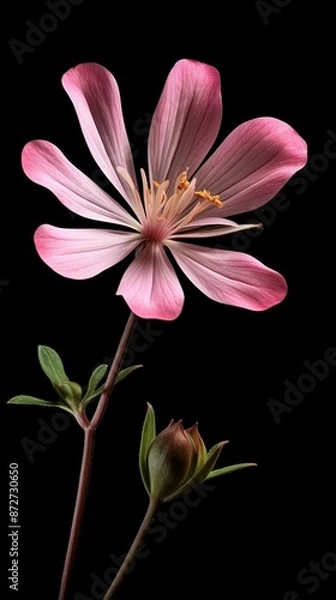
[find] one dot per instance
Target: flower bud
(170, 458)
(176, 459)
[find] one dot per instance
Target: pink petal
(252, 165)
(150, 285)
(230, 277)
(45, 164)
(210, 227)
(202, 221)
(95, 95)
(186, 120)
(82, 253)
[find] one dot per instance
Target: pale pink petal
(45, 164)
(202, 221)
(252, 165)
(82, 253)
(213, 230)
(203, 227)
(95, 95)
(186, 121)
(150, 285)
(229, 277)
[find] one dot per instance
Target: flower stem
(90, 428)
(83, 485)
(152, 508)
(114, 370)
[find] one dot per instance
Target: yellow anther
(183, 182)
(205, 195)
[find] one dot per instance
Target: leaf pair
(69, 393)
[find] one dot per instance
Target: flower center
(164, 213)
(181, 186)
(168, 213)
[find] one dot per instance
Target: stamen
(156, 199)
(205, 195)
(147, 195)
(136, 204)
(183, 182)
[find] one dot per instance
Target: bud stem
(131, 555)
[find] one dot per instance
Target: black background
(252, 534)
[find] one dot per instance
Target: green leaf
(126, 372)
(91, 393)
(229, 469)
(147, 436)
(71, 392)
(52, 365)
(89, 399)
(37, 401)
(95, 379)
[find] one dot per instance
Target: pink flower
(185, 196)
